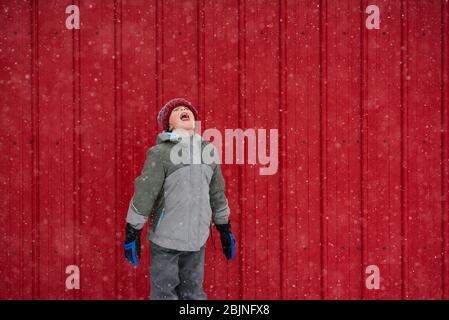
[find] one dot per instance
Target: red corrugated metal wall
(363, 151)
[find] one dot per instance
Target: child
(182, 199)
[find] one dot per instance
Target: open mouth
(184, 116)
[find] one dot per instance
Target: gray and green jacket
(181, 197)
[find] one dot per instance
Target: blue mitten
(132, 244)
(227, 240)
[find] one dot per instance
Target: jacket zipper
(190, 202)
(160, 219)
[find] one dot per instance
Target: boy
(182, 199)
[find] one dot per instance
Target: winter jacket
(180, 197)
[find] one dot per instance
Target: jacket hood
(175, 137)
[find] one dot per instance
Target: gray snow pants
(176, 275)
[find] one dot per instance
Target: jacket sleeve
(218, 200)
(147, 187)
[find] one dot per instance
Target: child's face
(181, 118)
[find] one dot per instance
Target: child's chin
(186, 127)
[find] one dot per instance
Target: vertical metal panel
(16, 150)
(363, 133)
(220, 51)
(444, 176)
(341, 138)
(302, 262)
(139, 101)
(423, 152)
(54, 60)
(381, 101)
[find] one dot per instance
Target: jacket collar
(176, 137)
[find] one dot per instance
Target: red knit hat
(164, 113)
